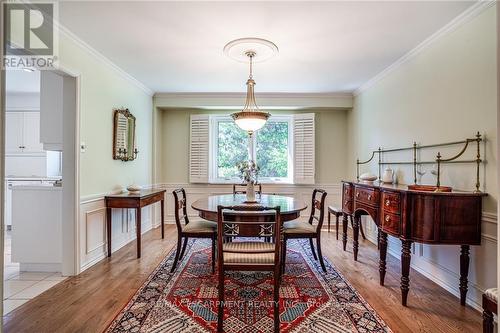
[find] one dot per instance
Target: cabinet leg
(355, 243)
(378, 238)
(108, 229)
(344, 231)
(405, 270)
(383, 256)
(138, 231)
(464, 272)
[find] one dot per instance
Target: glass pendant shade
(250, 119)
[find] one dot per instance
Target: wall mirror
(124, 136)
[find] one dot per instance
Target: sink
(429, 188)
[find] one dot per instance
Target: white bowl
(370, 177)
(134, 188)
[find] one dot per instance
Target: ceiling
(323, 46)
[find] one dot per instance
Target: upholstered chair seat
(249, 253)
(298, 227)
(492, 293)
(200, 226)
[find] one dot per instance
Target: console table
(414, 214)
(135, 201)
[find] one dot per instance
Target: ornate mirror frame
(124, 136)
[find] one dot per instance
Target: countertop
(28, 178)
(41, 187)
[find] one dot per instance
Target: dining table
(290, 207)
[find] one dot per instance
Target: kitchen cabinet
(22, 133)
(51, 110)
(40, 225)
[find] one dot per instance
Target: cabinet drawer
(347, 191)
(347, 206)
(391, 202)
(390, 223)
(368, 196)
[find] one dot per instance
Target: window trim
(252, 151)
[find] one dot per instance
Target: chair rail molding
(197, 191)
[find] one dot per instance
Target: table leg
(383, 256)
(405, 270)
(344, 231)
(464, 272)
(355, 242)
(108, 229)
(162, 219)
(138, 230)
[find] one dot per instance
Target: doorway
(41, 183)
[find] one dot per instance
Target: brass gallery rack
(438, 161)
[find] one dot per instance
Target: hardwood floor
(90, 301)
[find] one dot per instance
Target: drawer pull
(357, 195)
(346, 202)
(387, 202)
(369, 196)
(387, 218)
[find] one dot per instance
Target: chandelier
(250, 119)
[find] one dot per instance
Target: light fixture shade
(250, 119)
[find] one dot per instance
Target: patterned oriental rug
(186, 300)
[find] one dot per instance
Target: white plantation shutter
(303, 148)
(198, 148)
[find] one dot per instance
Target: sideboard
(421, 214)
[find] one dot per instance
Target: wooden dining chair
(297, 229)
(190, 229)
(248, 255)
(242, 189)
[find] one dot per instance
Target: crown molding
(103, 59)
(219, 95)
(271, 101)
(461, 19)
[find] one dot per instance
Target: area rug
(186, 300)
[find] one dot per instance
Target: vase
(250, 192)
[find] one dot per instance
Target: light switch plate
(83, 147)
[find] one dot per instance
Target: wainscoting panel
(441, 263)
(93, 229)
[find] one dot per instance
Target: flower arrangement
(249, 171)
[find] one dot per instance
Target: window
(284, 149)
(232, 148)
(269, 147)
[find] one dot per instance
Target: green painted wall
(101, 90)
(173, 143)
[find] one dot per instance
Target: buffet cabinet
(422, 214)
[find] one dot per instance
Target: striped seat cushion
(297, 227)
(248, 253)
(200, 226)
(492, 293)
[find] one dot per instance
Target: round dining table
(290, 207)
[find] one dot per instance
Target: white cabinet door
(31, 137)
(51, 108)
(14, 132)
